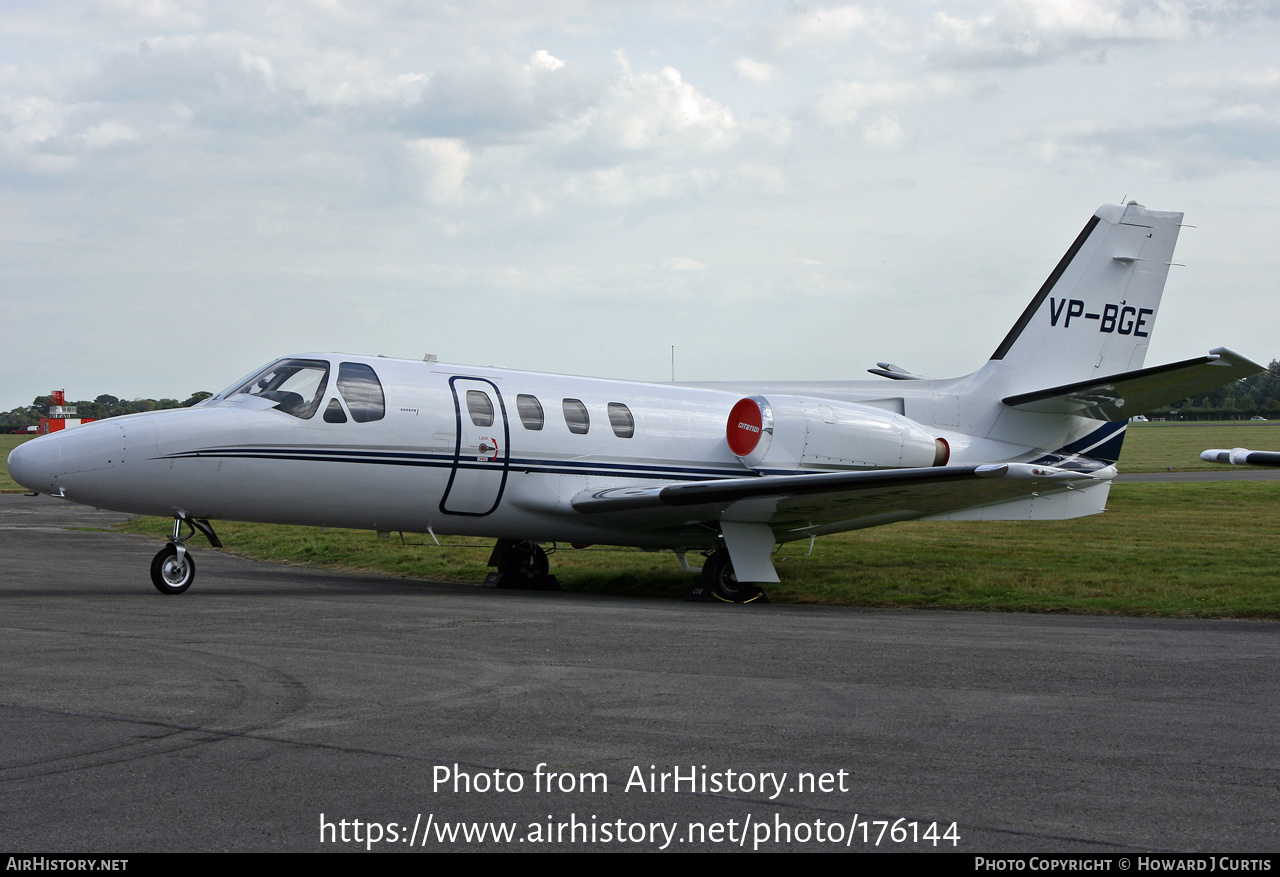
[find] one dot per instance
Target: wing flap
(829, 502)
(1119, 397)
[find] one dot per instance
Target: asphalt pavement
(279, 708)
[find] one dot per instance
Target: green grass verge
(1194, 550)
(7, 444)
(1157, 447)
(1182, 550)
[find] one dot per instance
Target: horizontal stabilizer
(1122, 396)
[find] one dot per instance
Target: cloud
(808, 34)
(808, 27)
(1023, 32)
(110, 133)
(499, 99)
(754, 71)
(287, 164)
(444, 163)
(30, 121)
(1191, 125)
(647, 111)
(544, 60)
(884, 131)
(680, 263)
(843, 102)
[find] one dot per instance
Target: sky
(784, 191)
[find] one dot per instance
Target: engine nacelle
(786, 433)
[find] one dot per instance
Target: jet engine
(787, 433)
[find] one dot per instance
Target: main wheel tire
(169, 574)
(524, 562)
(719, 578)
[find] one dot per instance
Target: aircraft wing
(838, 501)
(1241, 457)
(1119, 397)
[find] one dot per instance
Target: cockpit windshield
(295, 385)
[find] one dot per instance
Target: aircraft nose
(33, 464)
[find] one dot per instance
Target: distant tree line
(1254, 396)
(100, 408)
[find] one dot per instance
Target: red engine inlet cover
(745, 423)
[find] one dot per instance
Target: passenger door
(482, 452)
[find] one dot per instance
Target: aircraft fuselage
(454, 450)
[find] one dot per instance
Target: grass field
(1188, 550)
(1157, 447)
(7, 444)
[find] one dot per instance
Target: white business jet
(727, 469)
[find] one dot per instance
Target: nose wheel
(172, 569)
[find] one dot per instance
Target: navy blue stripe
(398, 458)
(1102, 444)
(542, 467)
(446, 461)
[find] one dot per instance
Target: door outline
(474, 473)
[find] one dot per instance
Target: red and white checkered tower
(61, 415)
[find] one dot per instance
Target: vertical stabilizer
(1094, 315)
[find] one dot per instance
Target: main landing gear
(719, 582)
(173, 569)
(520, 565)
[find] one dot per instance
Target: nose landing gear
(173, 569)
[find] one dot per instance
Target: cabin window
(295, 385)
(624, 425)
(334, 413)
(480, 408)
(575, 415)
(530, 411)
(362, 391)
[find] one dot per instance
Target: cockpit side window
(295, 385)
(334, 413)
(362, 391)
